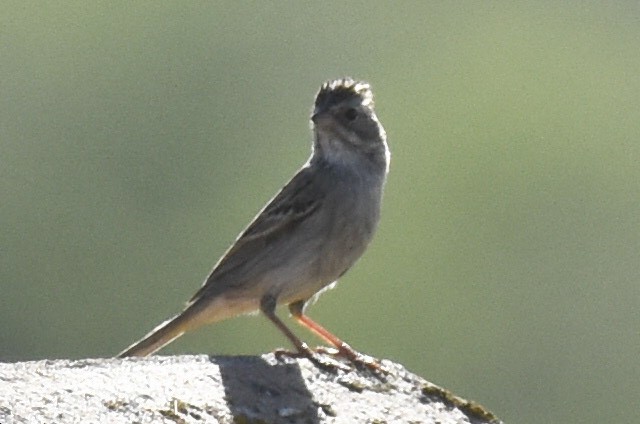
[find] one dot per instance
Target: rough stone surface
(239, 390)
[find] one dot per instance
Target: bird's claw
(322, 362)
(319, 358)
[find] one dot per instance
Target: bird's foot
(317, 358)
(358, 359)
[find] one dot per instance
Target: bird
(307, 236)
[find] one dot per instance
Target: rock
(222, 389)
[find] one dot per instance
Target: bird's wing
(297, 200)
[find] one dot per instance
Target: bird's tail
(196, 314)
(160, 336)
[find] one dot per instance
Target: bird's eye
(350, 114)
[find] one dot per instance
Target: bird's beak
(320, 117)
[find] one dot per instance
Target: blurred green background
(138, 138)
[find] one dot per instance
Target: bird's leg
(297, 310)
(268, 307)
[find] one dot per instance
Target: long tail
(199, 312)
(160, 336)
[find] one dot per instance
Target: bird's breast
(355, 212)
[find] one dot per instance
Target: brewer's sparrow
(308, 235)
